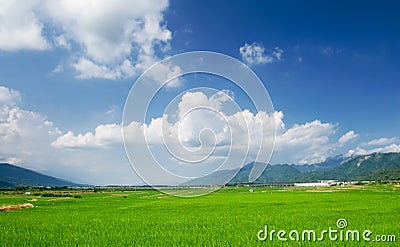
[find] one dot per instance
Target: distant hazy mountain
(14, 176)
(367, 167)
(328, 164)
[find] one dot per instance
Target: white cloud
(88, 69)
(106, 29)
(62, 41)
(98, 156)
(12, 160)
(313, 133)
(163, 72)
(256, 54)
(306, 143)
(26, 139)
(380, 142)
(191, 100)
(186, 128)
(104, 135)
(192, 124)
(381, 145)
(277, 53)
(111, 32)
(349, 136)
(111, 110)
(24, 134)
(20, 27)
(9, 97)
(392, 148)
(59, 68)
(104, 38)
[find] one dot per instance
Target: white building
(319, 184)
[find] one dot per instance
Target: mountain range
(375, 166)
(14, 176)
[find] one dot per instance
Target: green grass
(228, 217)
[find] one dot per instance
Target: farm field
(228, 217)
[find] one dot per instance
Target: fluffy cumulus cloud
(104, 135)
(9, 97)
(106, 39)
(349, 136)
(29, 139)
(88, 69)
(305, 143)
(195, 112)
(310, 142)
(256, 54)
(24, 134)
(20, 28)
(198, 128)
(109, 33)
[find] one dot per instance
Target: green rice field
(228, 217)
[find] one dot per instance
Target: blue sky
(331, 70)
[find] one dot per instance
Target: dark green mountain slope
(14, 176)
(272, 174)
(368, 167)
